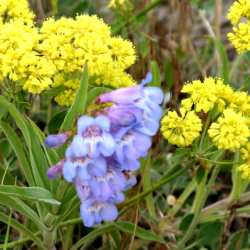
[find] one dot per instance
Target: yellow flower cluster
(245, 167)
(239, 15)
(70, 43)
(181, 130)
(20, 60)
(12, 10)
(56, 53)
(116, 3)
(230, 131)
(205, 95)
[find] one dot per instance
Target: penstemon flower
(107, 148)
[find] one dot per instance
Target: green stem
(236, 178)
(204, 132)
(70, 222)
(183, 197)
(54, 4)
(16, 243)
(142, 13)
(146, 183)
(200, 199)
(160, 183)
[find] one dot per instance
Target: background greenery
(178, 41)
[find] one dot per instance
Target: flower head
(94, 212)
(147, 99)
(239, 15)
(205, 95)
(244, 169)
(12, 10)
(83, 168)
(55, 170)
(230, 131)
(130, 147)
(93, 138)
(57, 140)
(181, 131)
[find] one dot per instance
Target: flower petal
(103, 122)
(109, 212)
(107, 144)
(69, 171)
(83, 123)
(87, 217)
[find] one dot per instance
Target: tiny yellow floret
(230, 131)
(205, 95)
(181, 131)
(239, 14)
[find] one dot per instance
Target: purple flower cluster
(107, 148)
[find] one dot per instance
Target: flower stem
(142, 13)
(200, 199)
(236, 178)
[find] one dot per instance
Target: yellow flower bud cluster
(55, 54)
(239, 15)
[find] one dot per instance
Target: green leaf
(19, 150)
(55, 122)
(239, 240)
(18, 205)
(79, 104)
(38, 161)
(169, 73)
(30, 193)
(224, 62)
(146, 180)
(21, 228)
(37, 164)
(90, 237)
(156, 74)
(185, 222)
(128, 227)
(16, 115)
(209, 233)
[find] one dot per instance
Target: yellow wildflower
(239, 9)
(12, 10)
(122, 52)
(239, 15)
(245, 170)
(71, 43)
(240, 37)
(240, 101)
(245, 152)
(116, 3)
(230, 131)
(204, 95)
(245, 167)
(181, 131)
(20, 60)
(66, 97)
